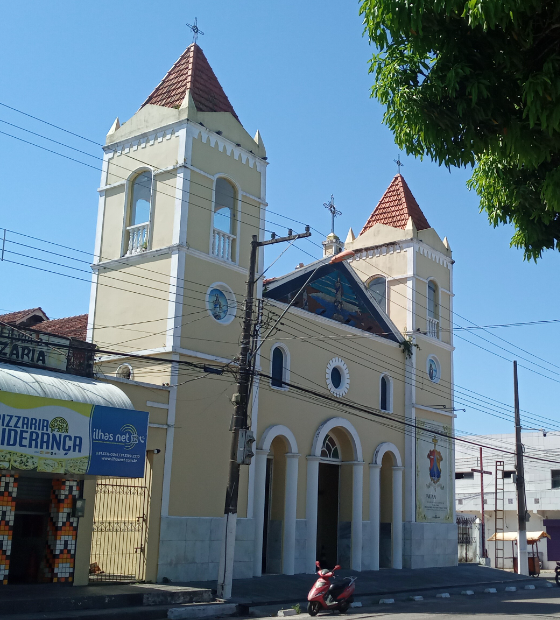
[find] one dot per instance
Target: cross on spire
(196, 30)
(333, 211)
(399, 163)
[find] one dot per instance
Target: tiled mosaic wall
(63, 531)
(8, 490)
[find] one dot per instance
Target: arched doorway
(276, 467)
(328, 504)
(334, 497)
(385, 507)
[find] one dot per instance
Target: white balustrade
(222, 244)
(433, 327)
(137, 238)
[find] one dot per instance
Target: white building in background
(542, 489)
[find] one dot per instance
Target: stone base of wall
(429, 544)
(190, 547)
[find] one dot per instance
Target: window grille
(330, 449)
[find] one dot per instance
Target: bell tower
(408, 270)
(182, 191)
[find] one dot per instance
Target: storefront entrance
(327, 515)
(30, 533)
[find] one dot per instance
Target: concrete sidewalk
(284, 589)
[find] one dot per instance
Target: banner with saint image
(434, 472)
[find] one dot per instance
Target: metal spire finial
(333, 211)
(196, 30)
(399, 163)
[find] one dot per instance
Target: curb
(208, 610)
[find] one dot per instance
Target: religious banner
(66, 437)
(434, 472)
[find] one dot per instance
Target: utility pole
(241, 437)
(522, 561)
(483, 526)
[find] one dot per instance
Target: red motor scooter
(324, 595)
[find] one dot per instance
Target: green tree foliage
(477, 83)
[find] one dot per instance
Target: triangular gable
(396, 206)
(334, 292)
(191, 72)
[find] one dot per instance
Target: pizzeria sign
(65, 437)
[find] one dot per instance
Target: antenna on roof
(333, 211)
(196, 30)
(399, 163)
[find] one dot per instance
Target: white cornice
(404, 277)
(140, 383)
(149, 352)
(434, 341)
(332, 323)
(202, 356)
(393, 247)
(215, 260)
(148, 138)
(140, 257)
(434, 410)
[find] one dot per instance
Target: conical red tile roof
(191, 72)
(395, 207)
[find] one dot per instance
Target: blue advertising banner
(66, 437)
(118, 442)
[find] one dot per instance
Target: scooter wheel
(313, 608)
(343, 607)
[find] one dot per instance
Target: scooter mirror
(318, 564)
(337, 567)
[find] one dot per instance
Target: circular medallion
(221, 303)
(433, 369)
(338, 378)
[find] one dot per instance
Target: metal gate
(120, 529)
(465, 538)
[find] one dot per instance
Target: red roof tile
(191, 72)
(71, 327)
(13, 318)
(395, 207)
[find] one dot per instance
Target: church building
(352, 398)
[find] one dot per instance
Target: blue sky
(300, 76)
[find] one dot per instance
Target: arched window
(138, 225)
(330, 449)
(378, 288)
(224, 219)
(279, 366)
(141, 199)
(433, 309)
(386, 395)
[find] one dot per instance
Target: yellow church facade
(352, 401)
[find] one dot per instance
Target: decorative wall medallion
(433, 369)
(338, 378)
(221, 303)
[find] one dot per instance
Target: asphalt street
(538, 603)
